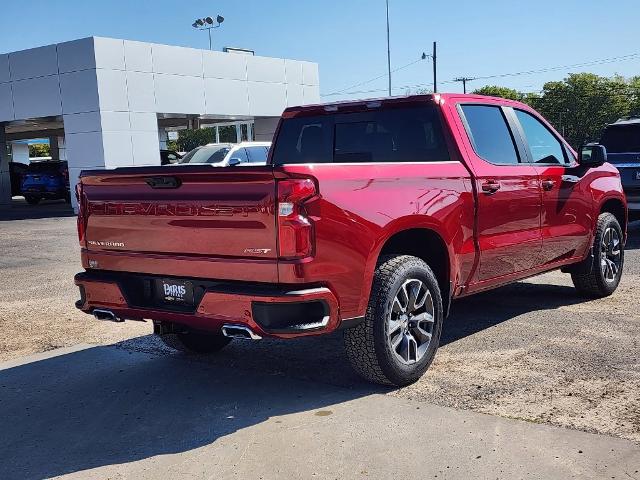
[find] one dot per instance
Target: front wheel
(608, 260)
(399, 337)
(32, 199)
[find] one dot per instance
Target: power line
(603, 61)
(339, 92)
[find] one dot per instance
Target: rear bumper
(43, 191)
(267, 310)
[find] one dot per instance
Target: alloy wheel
(610, 254)
(411, 321)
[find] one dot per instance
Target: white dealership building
(106, 103)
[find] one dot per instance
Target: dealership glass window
(227, 134)
(490, 135)
(544, 146)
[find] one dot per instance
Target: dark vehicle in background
(46, 180)
(622, 140)
(17, 172)
(168, 157)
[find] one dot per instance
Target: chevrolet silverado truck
(370, 217)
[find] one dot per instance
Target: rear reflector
(295, 229)
(83, 215)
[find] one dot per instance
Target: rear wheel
(608, 260)
(195, 342)
(399, 337)
(32, 199)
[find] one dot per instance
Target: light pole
(206, 23)
(388, 49)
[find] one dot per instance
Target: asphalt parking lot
(533, 351)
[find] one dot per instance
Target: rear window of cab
(407, 134)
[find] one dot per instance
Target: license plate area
(174, 292)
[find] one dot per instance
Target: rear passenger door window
(490, 134)
(241, 155)
(257, 154)
(545, 148)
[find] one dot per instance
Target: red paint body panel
(221, 224)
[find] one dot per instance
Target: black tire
(32, 199)
(367, 345)
(595, 284)
(195, 342)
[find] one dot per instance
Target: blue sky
(347, 37)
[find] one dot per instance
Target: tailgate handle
(163, 182)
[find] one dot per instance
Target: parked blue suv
(622, 140)
(48, 179)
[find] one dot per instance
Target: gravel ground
(533, 350)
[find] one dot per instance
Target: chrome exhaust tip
(106, 315)
(239, 331)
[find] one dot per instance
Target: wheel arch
(618, 209)
(424, 241)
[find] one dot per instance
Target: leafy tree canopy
(581, 105)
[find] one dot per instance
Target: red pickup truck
(370, 216)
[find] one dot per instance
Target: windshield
(206, 154)
(622, 138)
(42, 167)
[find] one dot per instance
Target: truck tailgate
(185, 211)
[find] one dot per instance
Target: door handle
(548, 185)
(570, 178)
(490, 186)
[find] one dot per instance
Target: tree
(581, 105)
(502, 92)
(39, 150)
(634, 87)
(190, 139)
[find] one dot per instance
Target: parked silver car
(229, 154)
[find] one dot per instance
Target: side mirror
(234, 161)
(592, 155)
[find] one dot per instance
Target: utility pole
(464, 81)
(388, 49)
(434, 61)
(434, 58)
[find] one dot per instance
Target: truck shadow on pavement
(633, 240)
(108, 405)
(21, 210)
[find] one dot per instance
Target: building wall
(109, 93)
(265, 128)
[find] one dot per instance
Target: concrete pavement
(111, 412)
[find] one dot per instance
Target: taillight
(82, 215)
(295, 229)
